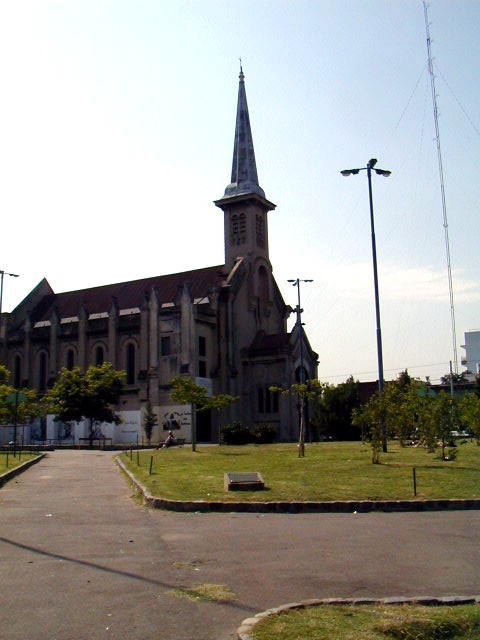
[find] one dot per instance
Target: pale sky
(116, 134)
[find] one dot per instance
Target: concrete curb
(8, 475)
(245, 629)
(350, 506)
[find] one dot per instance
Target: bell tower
(244, 204)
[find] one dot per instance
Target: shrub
(235, 433)
(264, 434)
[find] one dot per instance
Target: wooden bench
(179, 442)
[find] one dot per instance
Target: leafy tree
(16, 406)
(303, 391)
(149, 421)
(76, 396)
(370, 417)
(469, 414)
(402, 407)
(444, 412)
(185, 391)
(407, 411)
(453, 379)
(477, 386)
(4, 375)
(398, 408)
(403, 381)
(426, 431)
(332, 414)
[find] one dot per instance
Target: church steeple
(244, 178)
(244, 203)
(244, 169)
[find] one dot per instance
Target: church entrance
(204, 426)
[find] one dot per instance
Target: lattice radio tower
(442, 188)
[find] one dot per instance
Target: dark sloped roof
(269, 344)
(128, 295)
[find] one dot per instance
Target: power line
(392, 369)
(473, 125)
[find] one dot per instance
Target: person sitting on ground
(169, 441)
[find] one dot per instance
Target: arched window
(260, 229)
(42, 372)
(17, 372)
(267, 401)
(99, 355)
(242, 221)
(130, 363)
(298, 375)
(238, 231)
(263, 284)
(70, 359)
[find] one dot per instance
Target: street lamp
(381, 172)
(301, 444)
(296, 283)
(2, 274)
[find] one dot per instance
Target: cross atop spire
(244, 178)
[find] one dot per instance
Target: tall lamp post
(2, 274)
(381, 172)
(296, 283)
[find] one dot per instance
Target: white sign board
(129, 431)
(176, 418)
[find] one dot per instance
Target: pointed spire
(244, 178)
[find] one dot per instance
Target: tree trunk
(194, 427)
(90, 435)
(301, 440)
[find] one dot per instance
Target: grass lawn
(329, 471)
(372, 622)
(13, 461)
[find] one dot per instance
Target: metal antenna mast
(442, 187)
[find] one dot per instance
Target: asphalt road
(81, 560)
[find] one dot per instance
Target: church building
(223, 326)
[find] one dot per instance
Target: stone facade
(224, 326)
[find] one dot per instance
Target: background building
(224, 326)
(471, 360)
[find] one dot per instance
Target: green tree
(4, 375)
(369, 418)
(332, 414)
(444, 415)
(402, 407)
(76, 396)
(303, 391)
(454, 378)
(398, 408)
(477, 386)
(17, 406)
(469, 414)
(185, 391)
(149, 421)
(426, 427)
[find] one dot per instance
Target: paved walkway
(80, 560)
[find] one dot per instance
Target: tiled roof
(128, 295)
